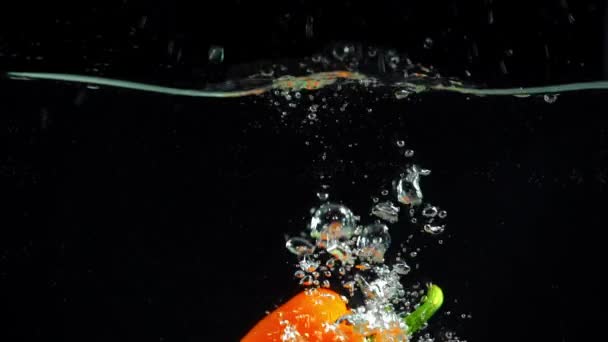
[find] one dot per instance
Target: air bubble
(306, 281)
(430, 211)
(299, 246)
(408, 153)
(428, 43)
(373, 242)
(408, 188)
(402, 94)
(309, 265)
(332, 222)
(550, 98)
(323, 196)
(386, 211)
(401, 268)
(431, 229)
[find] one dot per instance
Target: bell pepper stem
(433, 301)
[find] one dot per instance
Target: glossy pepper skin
(308, 313)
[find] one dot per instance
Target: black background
(138, 217)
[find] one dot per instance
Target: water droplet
(402, 94)
(503, 67)
(323, 196)
(443, 214)
(341, 51)
(330, 263)
(386, 211)
(428, 43)
(571, 19)
(325, 284)
(550, 98)
(216, 54)
(408, 188)
(400, 143)
(299, 246)
(375, 199)
(409, 153)
(299, 274)
(431, 229)
(327, 274)
(309, 27)
(413, 254)
(342, 271)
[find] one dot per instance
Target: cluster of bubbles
(340, 251)
(447, 336)
(376, 66)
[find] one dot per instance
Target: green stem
(416, 320)
(430, 305)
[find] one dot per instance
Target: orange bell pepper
(310, 317)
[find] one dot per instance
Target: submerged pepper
(310, 317)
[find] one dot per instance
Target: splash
(342, 64)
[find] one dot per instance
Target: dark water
(138, 217)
